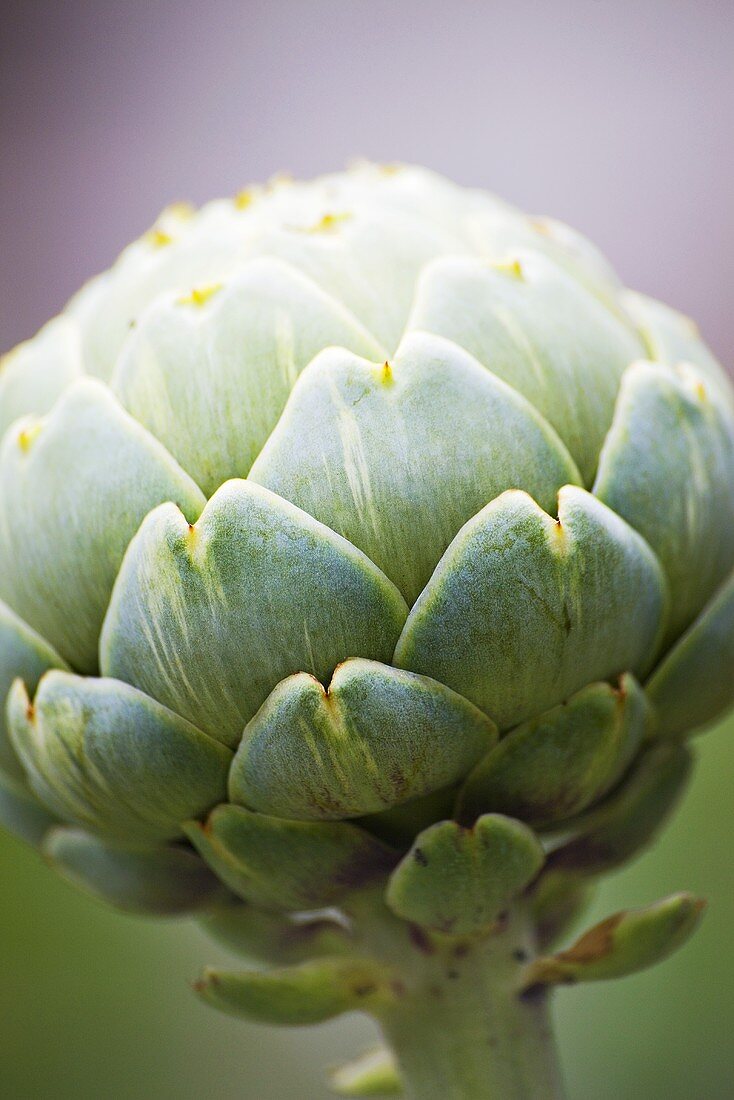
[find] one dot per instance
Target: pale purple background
(616, 117)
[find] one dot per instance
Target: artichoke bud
(334, 565)
(622, 944)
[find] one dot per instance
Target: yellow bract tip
(509, 267)
(328, 223)
(244, 198)
(27, 435)
(540, 225)
(558, 536)
(199, 295)
(280, 179)
(182, 210)
(158, 237)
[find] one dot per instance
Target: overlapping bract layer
(318, 491)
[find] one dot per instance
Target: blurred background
(617, 118)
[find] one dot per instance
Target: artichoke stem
(459, 1028)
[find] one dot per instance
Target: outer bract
(365, 545)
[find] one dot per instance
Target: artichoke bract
(366, 557)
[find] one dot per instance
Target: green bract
(350, 531)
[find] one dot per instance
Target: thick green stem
(459, 1027)
(469, 1039)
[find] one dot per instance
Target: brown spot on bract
(420, 940)
(501, 922)
(365, 989)
(365, 867)
(621, 690)
(595, 944)
(537, 992)
(209, 981)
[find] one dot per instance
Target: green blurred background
(94, 1004)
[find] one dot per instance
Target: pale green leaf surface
(415, 192)
(671, 337)
(612, 833)
(667, 467)
(500, 232)
(24, 654)
(557, 902)
(400, 824)
(103, 755)
(568, 246)
(694, 684)
(523, 610)
(210, 378)
(209, 618)
(21, 813)
(74, 488)
(457, 881)
(34, 373)
(271, 936)
(181, 252)
(622, 944)
(266, 935)
(557, 764)
(289, 864)
(306, 994)
(376, 452)
(366, 257)
(361, 242)
(538, 329)
(153, 880)
(375, 738)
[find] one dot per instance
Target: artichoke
(366, 557)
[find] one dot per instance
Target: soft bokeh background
(617, 118)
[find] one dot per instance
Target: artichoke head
(358, 532)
